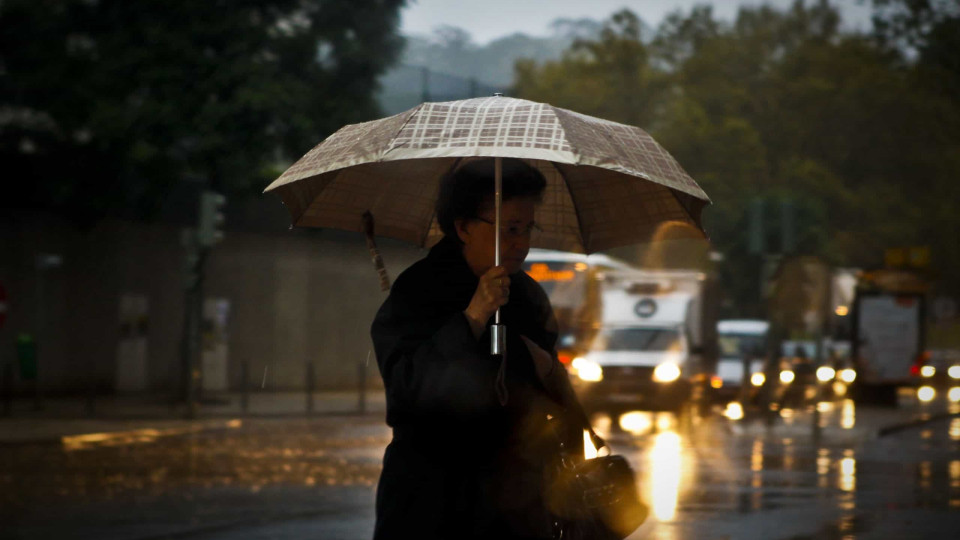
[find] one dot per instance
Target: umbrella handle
(498, 332)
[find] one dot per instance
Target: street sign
(3, 305)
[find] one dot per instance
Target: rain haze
(491, 19)
(249, 285)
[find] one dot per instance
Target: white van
(642, 354)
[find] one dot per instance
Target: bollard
(244, 387)
(309, 388)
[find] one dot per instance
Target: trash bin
(27, 357)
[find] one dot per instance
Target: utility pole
(197, 244)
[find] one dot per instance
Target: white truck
(647, 351)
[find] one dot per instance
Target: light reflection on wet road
(702, 478)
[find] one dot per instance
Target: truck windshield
(738, 345)
(640, 339)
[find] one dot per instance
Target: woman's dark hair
(469, 189)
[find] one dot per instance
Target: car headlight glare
(928, 371)
(848, 375)
(757, 379)
(666, 372)
(787, 376)
(588, 370)
(954, 372)
(825, 373)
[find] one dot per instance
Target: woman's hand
(492, 292)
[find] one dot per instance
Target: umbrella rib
(576, 209)
(402, 126)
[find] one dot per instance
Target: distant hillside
(448, 65)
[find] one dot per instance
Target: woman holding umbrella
(472, 447)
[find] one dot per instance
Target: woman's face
(478, 236)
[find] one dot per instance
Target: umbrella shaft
(497, 201)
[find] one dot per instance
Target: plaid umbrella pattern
(608, 184)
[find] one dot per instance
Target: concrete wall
(296, 297)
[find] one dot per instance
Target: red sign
(3, 305)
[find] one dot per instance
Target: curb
(82, 441)
(896, 428)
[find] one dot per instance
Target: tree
(108, 105)
(856, 138)
(609, 76)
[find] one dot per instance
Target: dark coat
(462, 464)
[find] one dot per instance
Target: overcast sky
(490, 19)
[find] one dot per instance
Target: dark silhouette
(472, 448)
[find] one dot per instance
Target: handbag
(595, 499)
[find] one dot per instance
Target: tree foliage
(105, 106)
(860, 137)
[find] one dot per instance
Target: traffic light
(210, 230)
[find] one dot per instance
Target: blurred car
(742, 342)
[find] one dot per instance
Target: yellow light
(839, 388)
(954, 372)
(926, 393)
(842, 311)
(635, 422)
(716, 382)
(848, 472)
(665, 467)
(666, 372)
(848, 414)
(588, 370)
(825, 373)
(542, 272)
(734, 411)
(954, 394)
(580, 267)
(589, 450)
(787, 376)
(928, 371)
(848, 375)
(757, 379)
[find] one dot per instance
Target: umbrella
(608, 184)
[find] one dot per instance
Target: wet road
(702, 478)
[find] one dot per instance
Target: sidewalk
(158, 415)
(154, 416)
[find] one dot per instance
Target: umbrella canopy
(608, 184)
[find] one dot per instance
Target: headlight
(926, 393)
(666, 372)
(734, 411)
(587, 370)
(954, 372)
(825, 373)
(928, 371)
(757, 379)
(786, 376)
(848, 375)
